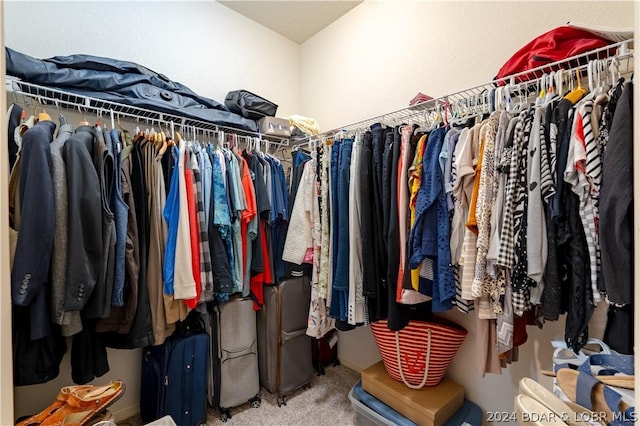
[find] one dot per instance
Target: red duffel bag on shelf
(419, 354)
(555, 45)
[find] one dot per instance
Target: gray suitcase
(283, 346)
(233, 379)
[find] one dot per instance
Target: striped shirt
(584, 158)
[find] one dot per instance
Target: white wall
(381, 53)
(378, 56)
(204, 45)
(371, 61)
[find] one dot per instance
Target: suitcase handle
(286, 336)
(237, 354)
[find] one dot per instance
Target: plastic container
(366, 416)
(372, 412)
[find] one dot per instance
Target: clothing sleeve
(184, 286)
(85, 221)
(422, 240)
(30, 272)
(299, 233)
(171, 215)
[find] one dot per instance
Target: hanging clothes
(430, 234)
(99, 303)
(70, 321)
(616, 223)
(340, 284)
(355, 305)
(38, 349)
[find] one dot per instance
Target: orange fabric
(472, 222)
(415, 180)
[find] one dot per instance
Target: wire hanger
(61, 118)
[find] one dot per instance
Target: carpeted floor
(325, 403)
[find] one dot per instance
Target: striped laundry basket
(419, 354)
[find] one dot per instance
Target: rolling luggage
(233, 378)
(325, 351)
(174, 378)
(284, 349)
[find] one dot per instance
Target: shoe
(61, 400)
(530, 412)
(611, 369)
(541, 394)
(589, 392)
(85, 404)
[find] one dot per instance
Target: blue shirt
(430, 234)
(171, 214)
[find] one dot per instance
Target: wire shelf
(475, 96)
(81, 103)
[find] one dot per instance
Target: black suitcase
(284, 349)
(233, 374)
(249, 105)
(174, 379)
(325, 351)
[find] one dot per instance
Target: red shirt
(195, 238)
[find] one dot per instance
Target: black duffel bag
(249, 105)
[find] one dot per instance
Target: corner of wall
(636, 193)
(6, 364)
(126, 412)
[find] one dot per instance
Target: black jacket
(123, 82)
(84, 258)
(616, 204)
(30, 271)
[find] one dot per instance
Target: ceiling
(296, 20)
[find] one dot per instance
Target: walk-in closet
(355, 181)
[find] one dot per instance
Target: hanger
(461, 117)
(437, 121)
(61, 118)
(385, 123)
(99, 122)
(172, 134)
(425, 127)
(43, 116)
(551, 89)
(540, 90)
(576, 94)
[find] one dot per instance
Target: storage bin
(274, 126)
(370, 411)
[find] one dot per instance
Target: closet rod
(47, 96)
(620, 51)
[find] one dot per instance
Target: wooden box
(429, 406)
